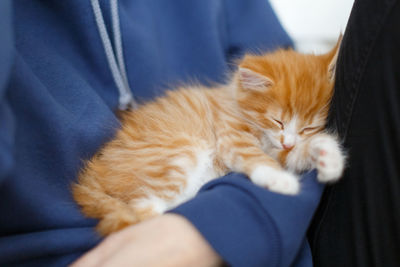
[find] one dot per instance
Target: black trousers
(358, 221)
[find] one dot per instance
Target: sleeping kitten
(268, 123)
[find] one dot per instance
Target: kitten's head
(286, 94)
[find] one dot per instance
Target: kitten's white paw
(275, 180)
(328, 158)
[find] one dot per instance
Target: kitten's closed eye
(279, 123)
(309, 130)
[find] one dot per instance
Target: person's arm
(239, 222)
(251, 226)
(167, 240)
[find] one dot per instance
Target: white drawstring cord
(117, 39)
(117, 66)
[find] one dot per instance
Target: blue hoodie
(58, 100)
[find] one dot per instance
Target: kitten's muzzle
(287, 146)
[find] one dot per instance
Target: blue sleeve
(6, 118)
(251, 226)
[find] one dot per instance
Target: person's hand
(167, 240)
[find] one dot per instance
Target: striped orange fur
(168, 148)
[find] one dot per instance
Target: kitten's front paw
(275, 180)
(328, 158)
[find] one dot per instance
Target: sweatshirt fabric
(58, 104)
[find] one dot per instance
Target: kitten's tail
(114, 214)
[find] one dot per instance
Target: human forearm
(168, 240)
(251, 226)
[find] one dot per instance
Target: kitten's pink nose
(287, 146)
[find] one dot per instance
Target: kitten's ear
(332, 56)
(252, 80)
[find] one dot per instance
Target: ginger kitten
(268, 123)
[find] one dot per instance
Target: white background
(314, 25)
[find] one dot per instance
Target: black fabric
(358, 221)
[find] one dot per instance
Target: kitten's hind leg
(113, 213)
(115, 221)
(146, 208)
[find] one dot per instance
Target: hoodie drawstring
(115, 59)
